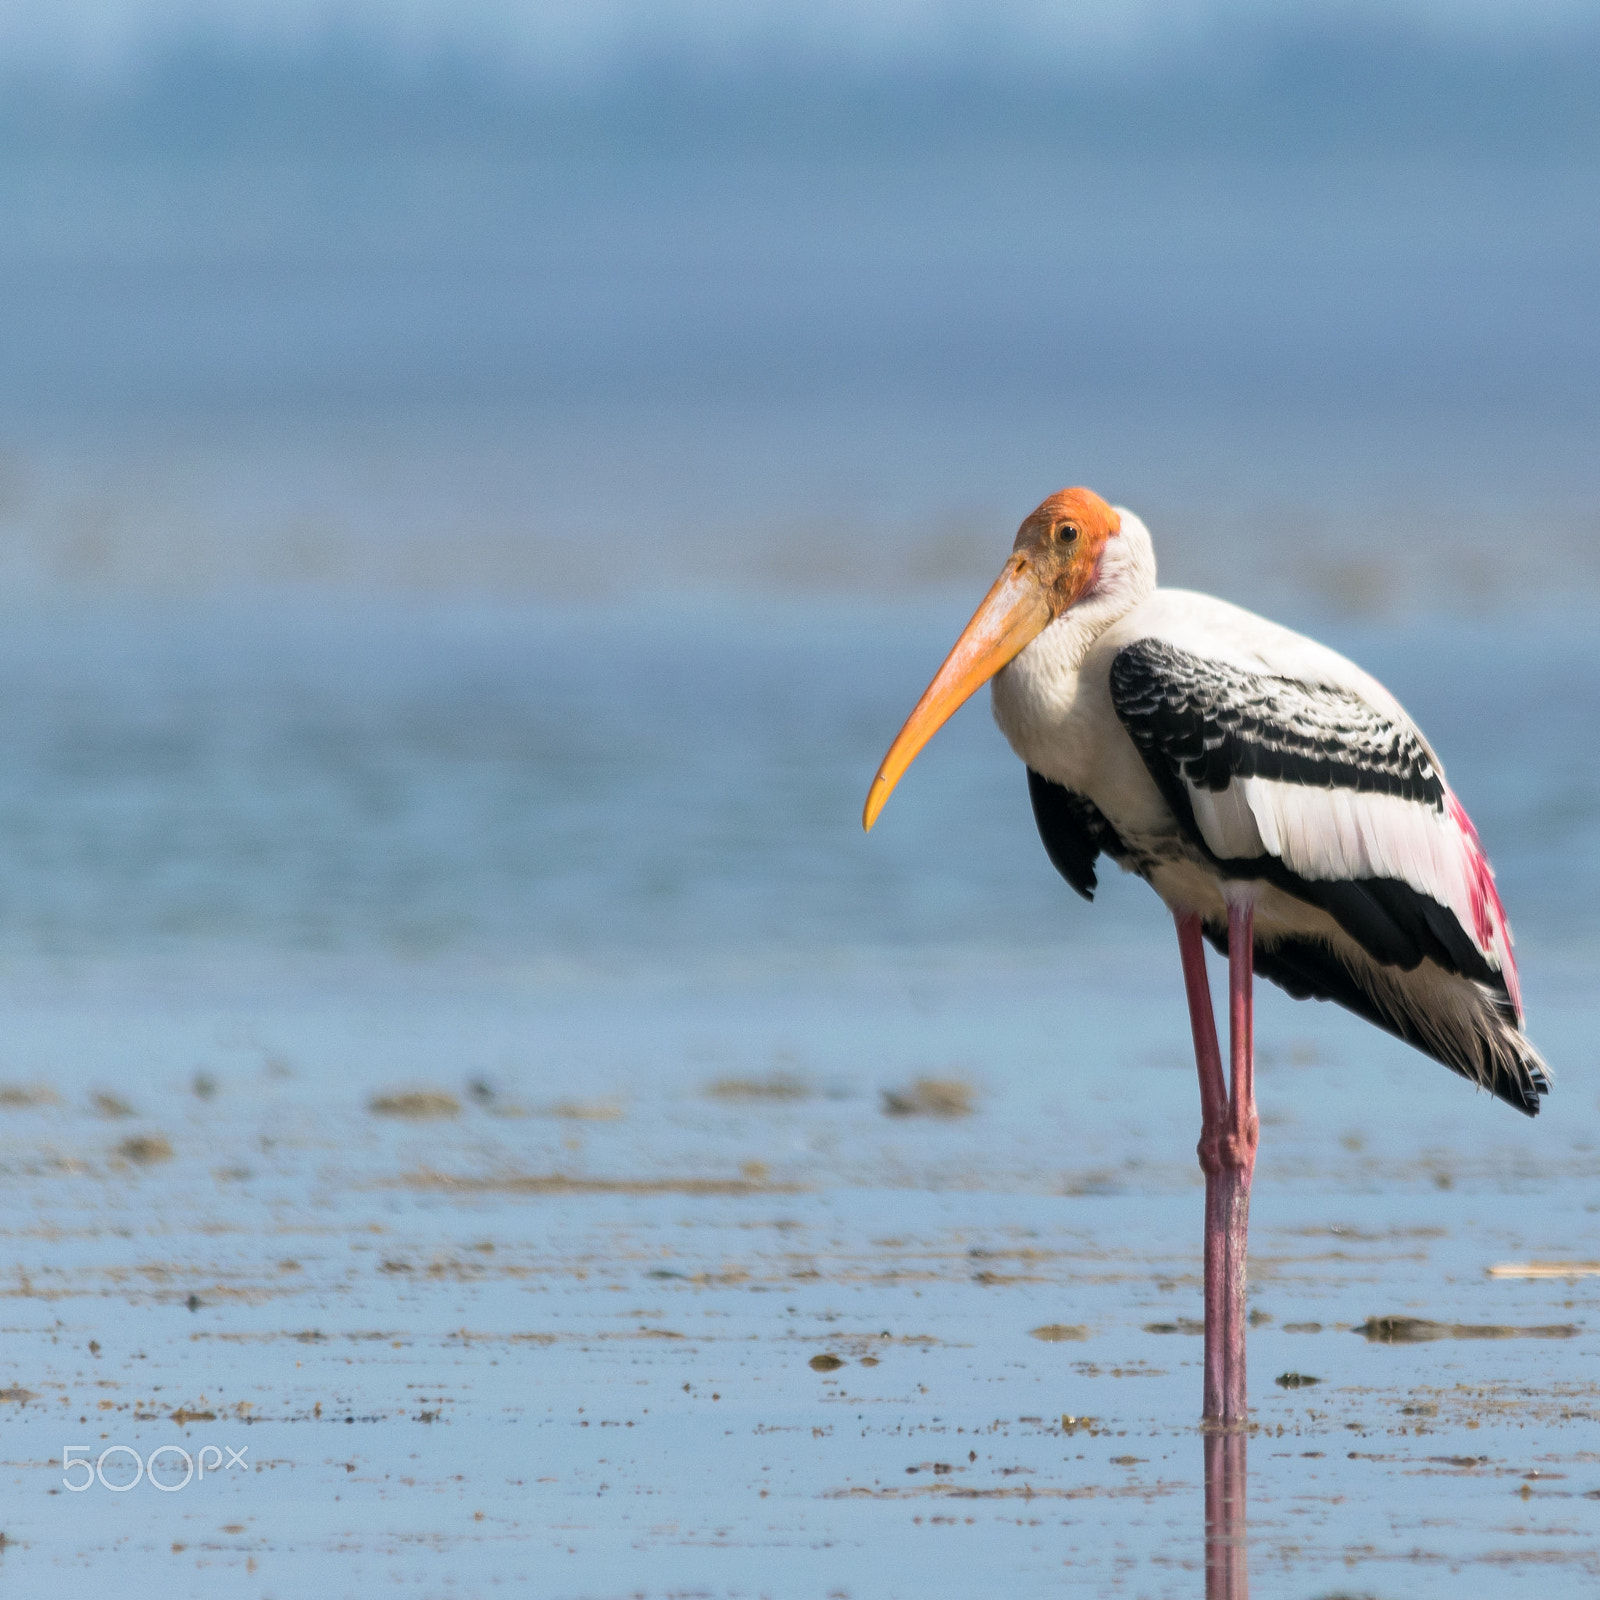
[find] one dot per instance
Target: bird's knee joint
(1233, 1150)
(1238, 1150)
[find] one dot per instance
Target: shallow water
(597, 879)
(567, 1335)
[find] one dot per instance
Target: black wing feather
(1204, 723)
(1209, 722)
(1073, 830)
(1306, 969)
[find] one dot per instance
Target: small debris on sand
(776, 1086)
(825, 1363)
(945, 1488)
(584, 1110)
(418, 1105)
(26, 1096)
(930, 1097)
(1295, 1380)
(1181, 1325)
(1546, 1269)
(17, 1395)
(110, 1105)
(146, 1149)
(1416, 1330)
(564, 1183)
(1059, 1332)
(203, 1085)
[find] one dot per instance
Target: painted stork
(1277, 798)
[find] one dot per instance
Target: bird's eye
(1066, 533)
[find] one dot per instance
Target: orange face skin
(1062, 540)
(1054, 563)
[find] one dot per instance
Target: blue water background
(444, 512)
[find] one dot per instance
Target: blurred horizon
(1255, 81)
(457, 299)
(103, 43)
(491, 479)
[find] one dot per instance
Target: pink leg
(1213, 1119)
(1228, 1127)
(1238, 1151)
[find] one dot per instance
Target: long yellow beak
(1014, 612)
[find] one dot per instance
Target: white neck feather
(1033, 697)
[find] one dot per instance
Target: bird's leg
(1213, 1130)
(1227, 1151)
(1238, 1150)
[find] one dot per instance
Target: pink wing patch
(1489, 928)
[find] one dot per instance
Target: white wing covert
(1319, 791)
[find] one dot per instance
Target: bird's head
(1061, 541)
(1054, 563)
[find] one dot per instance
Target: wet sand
(490, 1287)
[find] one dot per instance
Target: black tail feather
(1307, 969)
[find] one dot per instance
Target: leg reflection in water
(1227, 1548)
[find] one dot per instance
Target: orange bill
(1015, 611)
